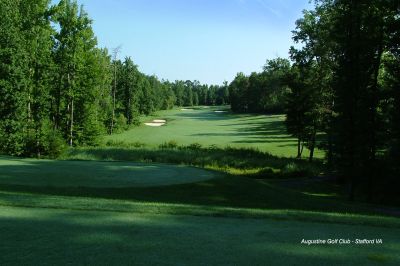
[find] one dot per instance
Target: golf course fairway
(214, 126)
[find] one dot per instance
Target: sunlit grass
(204, 126)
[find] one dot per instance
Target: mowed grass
(207, 127)
(228, 220)
(53, 173)
(119, 205)
(43, 236)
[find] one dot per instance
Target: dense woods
(261, 92)
(343, 84)
(59, 88)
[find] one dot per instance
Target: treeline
(263, 92)
(134, 93)
(344, 83)
(58, 87)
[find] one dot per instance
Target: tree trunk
(115, 88)
(71, 126)
(371, 166)
(71, 109)
(312, 147)
(38, 133)
(129, 111)
(302, 148)
(298, 148)
(58, 106)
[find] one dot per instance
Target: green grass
(248, 221)
(140, 201)
(237, 161)
(53, 173)
(204, 126)
(79, 178)
(38, 236)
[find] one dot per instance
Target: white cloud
(266, 4)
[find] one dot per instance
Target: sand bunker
(151, 124)
(156, 123)
(219, 111)
(186, 109)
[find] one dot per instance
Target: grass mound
(52, 173)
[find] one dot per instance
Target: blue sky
(206, 40)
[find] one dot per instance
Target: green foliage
(45, 142)
(120, 123)
(172, 144)
(55, 144)
(193, 146)
(123, 144)
(263, 92)
(341, 85)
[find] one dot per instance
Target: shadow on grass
(261, 131)
(197, 155)
(230, 190)
(63, 237)
(207, 116)
(56, 173)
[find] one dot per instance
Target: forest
(342, 82)
(58, 87)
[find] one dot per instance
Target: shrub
(293, 169)
(55, 144)
(120, 123)
(123, 144)
(194, 146)
(172, 144)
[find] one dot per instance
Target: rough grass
(237, 161)
(204, 126)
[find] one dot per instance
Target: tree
(116, 51)
(238, 93)
(297, 106)
(76, 57)
(315, 64)
(358, 34)
(13, 94)
(26, 73)
(130, 87)
(273, 96)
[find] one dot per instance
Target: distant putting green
(215, 126)
(95, 173)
